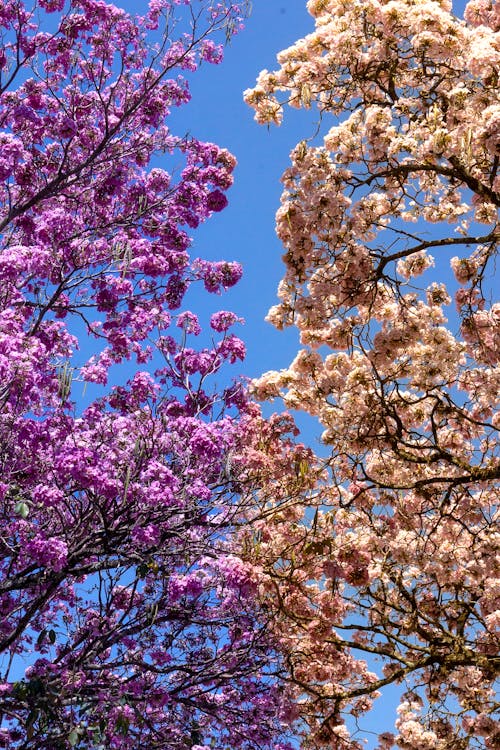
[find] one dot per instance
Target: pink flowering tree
(382, 568)
(127, 619)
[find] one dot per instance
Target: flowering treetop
(127, 619)
(394, 579)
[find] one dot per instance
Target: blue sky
(245, 230)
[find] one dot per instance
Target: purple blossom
(217, 275)
(216, 201)
(189, 322)
(51, 553)
(232, 348)
(222, 320)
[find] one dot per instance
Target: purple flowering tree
(127, 620)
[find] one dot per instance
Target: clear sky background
(244, 231)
